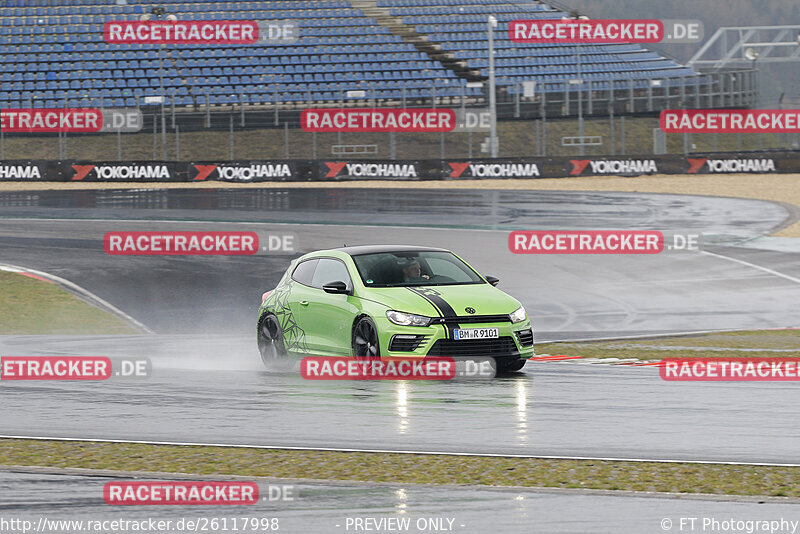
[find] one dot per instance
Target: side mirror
(492, 280)
(336, 288)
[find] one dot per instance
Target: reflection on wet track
(215, 391)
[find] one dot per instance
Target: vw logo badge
(469, 310)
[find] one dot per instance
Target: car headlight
(407, 319)
(518, 316)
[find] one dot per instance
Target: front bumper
(515, 341)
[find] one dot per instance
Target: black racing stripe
(447, 311)
(425, 296)
(447, 334)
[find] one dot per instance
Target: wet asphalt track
(208, 386)
(548, 410)
(574, 296)
(326, 508)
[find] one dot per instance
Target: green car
(388, 300)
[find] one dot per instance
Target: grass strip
(685, 478)
(743, 344)
(31, 307)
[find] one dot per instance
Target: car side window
(304, 272)
(329, 270)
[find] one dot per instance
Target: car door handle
(304, 303)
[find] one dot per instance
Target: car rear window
(304, 272)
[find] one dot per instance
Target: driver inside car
(412, 272)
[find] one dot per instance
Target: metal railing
(623, 118)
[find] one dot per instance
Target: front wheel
(513, 366)
(365, 339)
(270, 340)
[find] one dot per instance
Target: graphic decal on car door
(294, 338)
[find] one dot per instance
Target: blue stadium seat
(52, 46)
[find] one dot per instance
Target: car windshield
(414, 268)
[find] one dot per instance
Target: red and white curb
(19, 270)
(633, 362)
(76, 290)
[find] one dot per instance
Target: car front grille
(472, 319)
(406, 342)
(525, 337)
(503, 346)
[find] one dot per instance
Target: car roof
(374, 249)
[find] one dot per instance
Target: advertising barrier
(249, 171)
(376, 170)
(370, 169)
(134, 171)
(518, 168)
(31, 170)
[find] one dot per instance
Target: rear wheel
(270, 339)
(365, 339)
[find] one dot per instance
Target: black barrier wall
(134, 171)
(32, 171)
(247, 171)
(457, 169)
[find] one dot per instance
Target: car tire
(365, 339)
(270, 339)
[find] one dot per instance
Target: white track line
(689, 333)
(389, 451)
(754, 266)
(80, 292)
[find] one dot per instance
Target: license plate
(476, 333)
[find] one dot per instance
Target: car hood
(434, 301)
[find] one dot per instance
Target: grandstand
(460, 28)
(53, 54)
